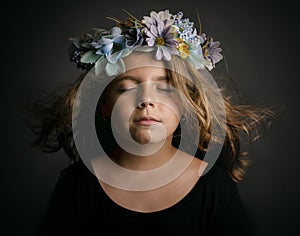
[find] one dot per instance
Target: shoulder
(213, 173)
(71, 176)
(61, 212)
(74, 169)
(217, 173)
(230, 216)
(73, 184)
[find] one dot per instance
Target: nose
(142, 105)
(145, 97)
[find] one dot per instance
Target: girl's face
(143, 102)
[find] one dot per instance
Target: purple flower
(155, 17)
(214, 52)
(161, 33)
(211, 51)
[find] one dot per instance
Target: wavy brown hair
(242, 122)
(52, 118)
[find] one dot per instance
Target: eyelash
(167, 89)
(123, 90)
(164, 89)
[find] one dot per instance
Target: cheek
(116, 103)
(172, 108)
(122, 108)
(173, 103)
(171, 118)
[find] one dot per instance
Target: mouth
(146, 120)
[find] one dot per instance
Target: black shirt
(79, 206)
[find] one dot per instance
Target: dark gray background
(261, 48)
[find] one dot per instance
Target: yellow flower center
(160, 41)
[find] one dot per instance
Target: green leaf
(86, 45)
(115, 68)
(100, 65)
(112, 69)
(99, 31)
(89, 57)
(121, 65)
(126, 52)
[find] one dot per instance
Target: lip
(146, 120)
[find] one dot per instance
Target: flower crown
(162, 32)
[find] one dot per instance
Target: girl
(154, 142)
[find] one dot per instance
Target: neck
(143, 162)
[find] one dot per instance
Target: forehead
(142, 66)
(142, 59)
(143, 74)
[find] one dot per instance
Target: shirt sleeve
(229, 215)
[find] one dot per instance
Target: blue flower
(110, 45)
(133, 34)
(108, 49)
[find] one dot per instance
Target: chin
(148, 137)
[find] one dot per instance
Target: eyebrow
(136, 79)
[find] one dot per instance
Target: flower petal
(105, 40)
(115, 31)
(153, 30)
(120, 39)
(121, 65)
(100, 65)
(159, 54)
(153, 14)
(107, 48)
(125, 52)
(115, 68)
(160, 27)
(173, 50)
(150, 41)
(166, 53)
(164, 15)
(148, 21)
(112, 69)
(114, 57)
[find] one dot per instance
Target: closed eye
(123, 90)
(165, 88)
